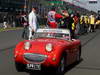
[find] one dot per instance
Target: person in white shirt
(32, 22)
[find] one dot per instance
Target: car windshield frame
(51, 35)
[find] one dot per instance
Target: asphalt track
(90, 63)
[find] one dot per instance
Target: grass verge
(7, 29)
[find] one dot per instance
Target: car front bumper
(35, 58)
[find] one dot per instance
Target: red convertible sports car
(48, 48)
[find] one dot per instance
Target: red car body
(37, 53)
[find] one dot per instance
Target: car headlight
(49, 47)
(27, 45)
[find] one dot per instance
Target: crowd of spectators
(76, 22)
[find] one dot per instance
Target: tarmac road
(90, 65)
(9, 39)
(90, 55)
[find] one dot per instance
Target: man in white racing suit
(32, 22)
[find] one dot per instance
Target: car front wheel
(61, 68)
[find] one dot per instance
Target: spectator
(77, 31)
(5, 22)
(24, 22)
(66, 20)
(97, 21)
(92, 23)
(13, 22)
(82, 23)
(86, 23)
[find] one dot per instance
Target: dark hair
(34, 7)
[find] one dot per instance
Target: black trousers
(25, 32)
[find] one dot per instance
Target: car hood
(39, 45)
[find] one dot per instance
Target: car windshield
(52, 35)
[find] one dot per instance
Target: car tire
(19, 67)
(61, 68)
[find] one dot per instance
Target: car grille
(34, 58)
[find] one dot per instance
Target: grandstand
(74, 8)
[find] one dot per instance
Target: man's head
(65, 13)
(34, 9)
